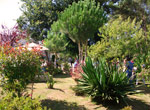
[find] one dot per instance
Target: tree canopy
(120, 38)
(38, 15)
(11, 36)
(55, 42)
(80, 21)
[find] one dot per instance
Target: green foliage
(120, 38)
(66, 68)
(53, 70)
(50, 68)
(103, 82)
(9, 102)
(50, 82)
(38, 15)
(18, 67)
(58, 71)
(56, 42)
(80, 21)
(71, 48)
(135, 9)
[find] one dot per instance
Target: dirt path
(62, 97)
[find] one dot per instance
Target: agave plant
(104, 81)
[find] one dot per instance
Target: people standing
(129, 66)
(70, 60)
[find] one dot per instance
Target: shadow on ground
(143, 89)
(61, 105)
(136, 105)
(62, 76)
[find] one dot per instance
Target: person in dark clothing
(129, 66)
(70, 60)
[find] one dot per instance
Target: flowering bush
(76, 72)
(11, 36)
(18, 67)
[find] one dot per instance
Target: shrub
(66, 67)
(76, 72)
(50, 81)
(18, 67)
(50, 68)
(103, 82)
(10, 102)
(53, 70)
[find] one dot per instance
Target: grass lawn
(62, 97)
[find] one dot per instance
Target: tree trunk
(86, 44)
(79, 48)
(55, 62)
(32, 90)
(81, 53)
(46, 53)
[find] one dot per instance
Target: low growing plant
(103, 82)
(50, 82)
(12, 102)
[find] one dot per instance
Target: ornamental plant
(18, 67)
(103, 82)
(50, 81)
(9, 102)
(76, 72)
(11, 36)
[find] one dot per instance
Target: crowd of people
(128, 67)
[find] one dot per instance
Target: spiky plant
(103, 82)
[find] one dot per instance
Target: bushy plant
(50, 81)
(76, 72)
(53, 70)
(11, 102)
(18, 67)
(103, 82)
(66, 68)
(142, 62)
(50, 68)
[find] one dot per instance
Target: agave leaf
(103, 81)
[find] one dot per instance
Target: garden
(86, 55)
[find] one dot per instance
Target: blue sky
(9, 12)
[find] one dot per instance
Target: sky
(9, 12)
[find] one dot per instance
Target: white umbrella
(32, 45)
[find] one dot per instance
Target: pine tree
(80, 21)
